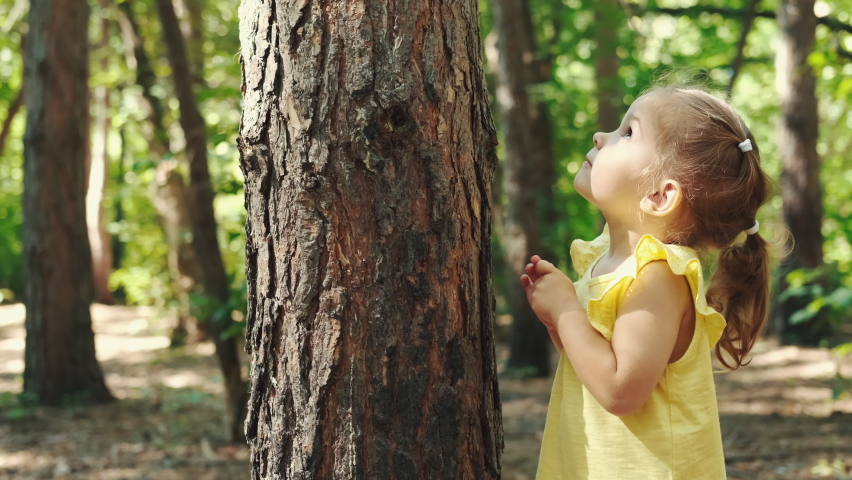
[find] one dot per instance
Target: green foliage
(822, 291)
(17, 406)
(11, 160)
(228, 315)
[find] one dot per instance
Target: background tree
(797, 145)
(528, 176)
(609, 17)
(60, 357)
(204, 229)
(98, 175)
(168, 191)
(368, 150)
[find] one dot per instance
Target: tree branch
(748, 21)
(831, 22)
(145, 76)
(10, 115)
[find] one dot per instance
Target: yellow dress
(675, 435)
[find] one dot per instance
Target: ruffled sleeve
(583, 252)
(603, 310)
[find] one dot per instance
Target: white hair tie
(745, 146)
(753, 230)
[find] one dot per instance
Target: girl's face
(609, 177)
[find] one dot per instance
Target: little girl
(633, 396)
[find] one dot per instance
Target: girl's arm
(554, 337)
(622, 374)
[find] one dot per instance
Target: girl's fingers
(530, 269)
(527, 283)
(543, 267)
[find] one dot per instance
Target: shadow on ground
(778, 417)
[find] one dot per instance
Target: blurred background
(575, 66)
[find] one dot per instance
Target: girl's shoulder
(585, 252)
(603, 304)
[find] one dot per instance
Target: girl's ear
(664, 201)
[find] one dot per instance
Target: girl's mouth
(590, 163)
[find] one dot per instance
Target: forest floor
(778, 418)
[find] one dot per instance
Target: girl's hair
(723, 187)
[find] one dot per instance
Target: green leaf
(801, 316)
(840, 386)
(840, 299)
(222, 314)
(235, 330)
(843, 350)
(797, 278)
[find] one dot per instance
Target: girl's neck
(624, 236)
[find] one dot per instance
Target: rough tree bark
(60, 359)
(204, 236)
(98, 175)
(528, 177)
(367, 146)
(797, 140)
(168, 191)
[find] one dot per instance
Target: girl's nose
(599, 139)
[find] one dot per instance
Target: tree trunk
(367, 146)
(529, 178)
(171, 199)
(118, 247)
(168, 192)
(190, 12)
(797, 140)
(99, 238)
(60, 361)
(204, 235)
(609, 17)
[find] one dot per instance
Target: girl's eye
(628, 133)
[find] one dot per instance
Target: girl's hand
(549, 291)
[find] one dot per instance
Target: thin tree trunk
(368, 150)
(528, 173)
(118, 246)
(60, 361)
(14, 108)
(797, 139)
(609, 17)
(99, 238)
(737, 63)
(204, 235)
(168, 192)
(190, 12)
(137, 58)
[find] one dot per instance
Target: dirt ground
(778, 418)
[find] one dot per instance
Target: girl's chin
(581, 184)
